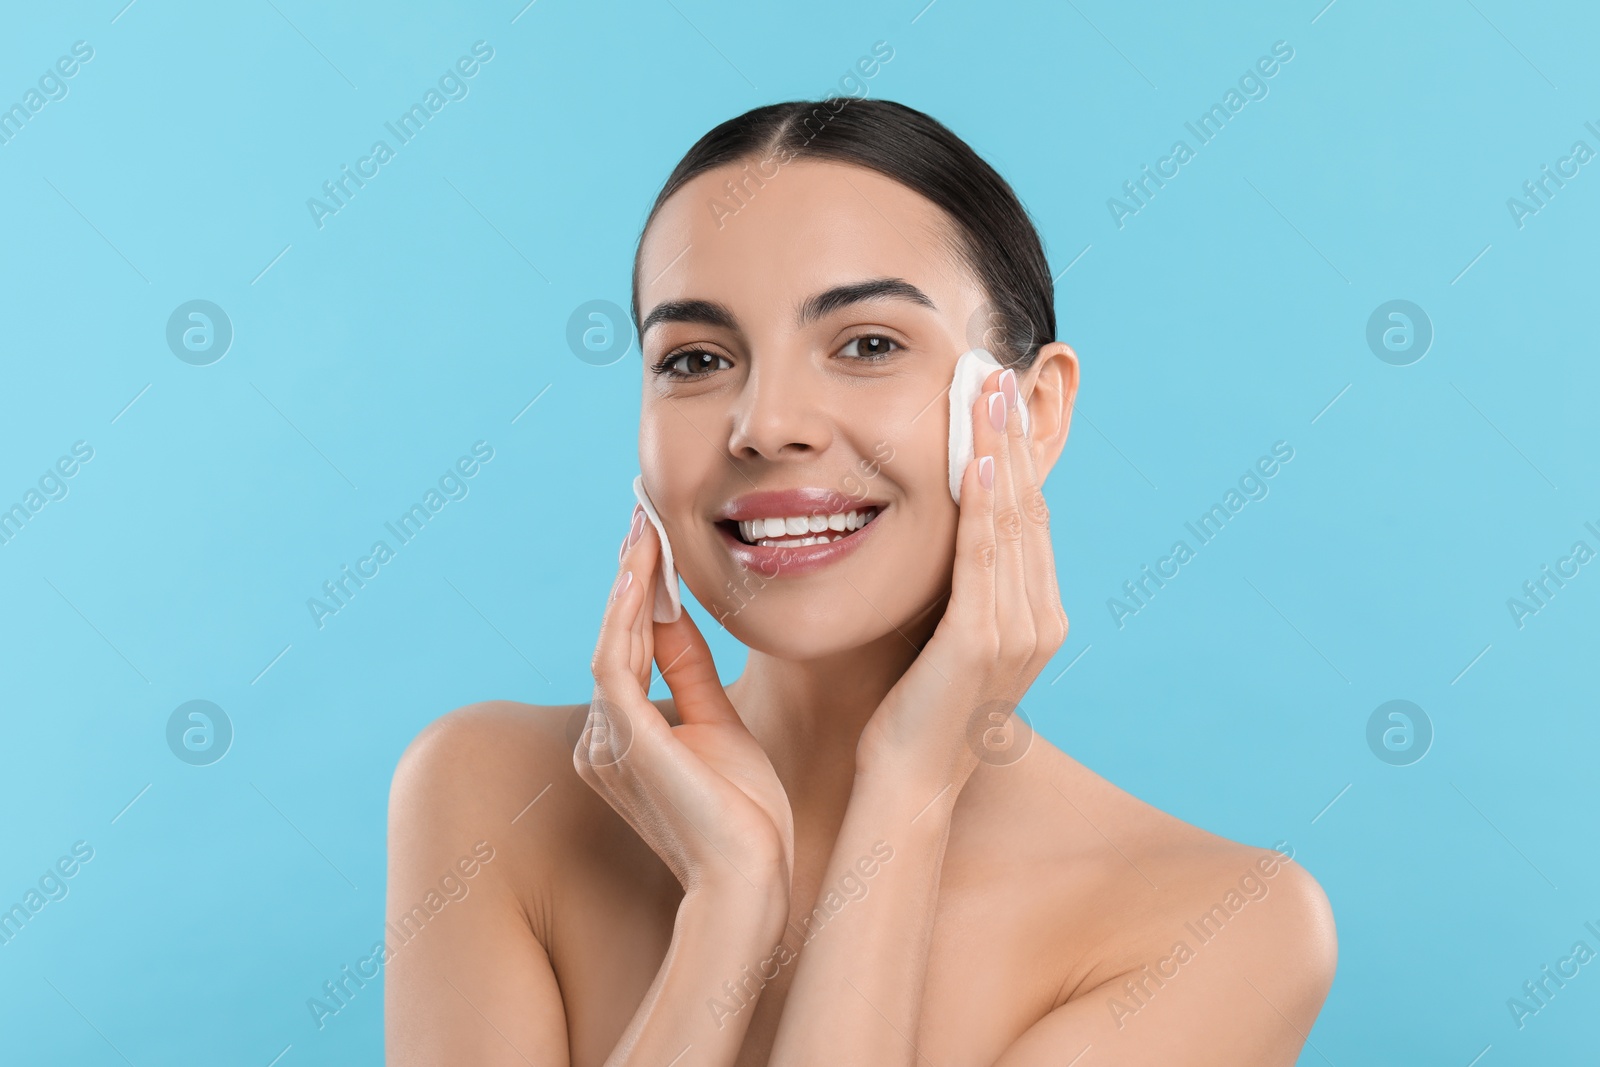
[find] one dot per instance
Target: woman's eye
(870, 347)
(689, 364)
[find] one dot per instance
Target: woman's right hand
(703, 794)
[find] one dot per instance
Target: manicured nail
(636, 530)
(1008, 386)
(986, 471)
(622, 584)
(997, 411)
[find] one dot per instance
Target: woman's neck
(808, 714)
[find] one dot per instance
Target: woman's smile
(795, 531)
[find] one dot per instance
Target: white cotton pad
(971, 369)
(667, 606)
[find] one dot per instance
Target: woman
(851, 854)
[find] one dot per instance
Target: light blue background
(1226, 315)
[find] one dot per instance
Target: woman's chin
(799, 632)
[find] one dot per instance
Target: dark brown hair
(998, 239)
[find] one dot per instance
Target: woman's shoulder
(501, 775)
(478, 758)
(474, 755)
(463, 770)
(1178, 891)
(500, 771)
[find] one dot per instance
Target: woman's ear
(1050, 388)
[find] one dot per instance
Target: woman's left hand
(1003, 623)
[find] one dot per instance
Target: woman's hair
(997, 239)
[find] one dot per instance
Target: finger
(614, 654)
(616, 660)
(1012, 613)
(1038, 552)
(691, 673)
(641, 554)
(972, 588)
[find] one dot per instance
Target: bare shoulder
(502, 772)
(1162, 896)
(476, 757)
(476, 774)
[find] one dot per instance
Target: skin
(984, 898)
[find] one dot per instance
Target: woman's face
(800, 339)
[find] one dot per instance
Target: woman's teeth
(801, 530)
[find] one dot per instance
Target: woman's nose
(780, 413)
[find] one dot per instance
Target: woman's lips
(772, 561)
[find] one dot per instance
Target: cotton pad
(971, 369)
(667, 606)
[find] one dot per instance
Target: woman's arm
(466, 980)
(704, 797)
(857, 992)
(717, 942)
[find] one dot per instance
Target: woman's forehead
(748, 233)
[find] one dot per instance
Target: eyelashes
(663, 366)
(881, 348)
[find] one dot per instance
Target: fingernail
(997, 411)
(636, 530)
(986, 471)
(1008, 386)
(622, 584)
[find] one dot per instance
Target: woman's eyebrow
(831, 300)
(710, 313)
(704, 312)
